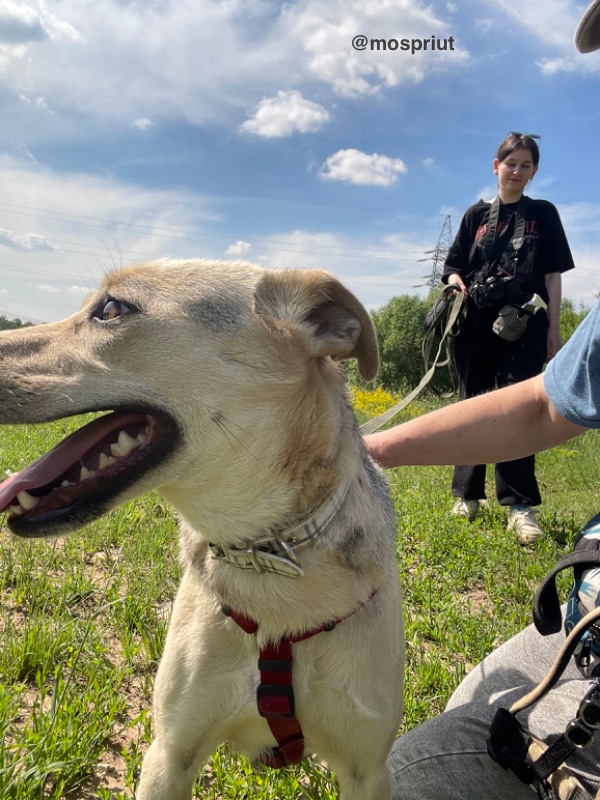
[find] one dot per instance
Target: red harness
(275, 693)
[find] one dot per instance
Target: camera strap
(494, 246)
(511, 744)
(534, 761)
(547, 614)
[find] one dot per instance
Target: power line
(20, 317)
(44, 274)
(157, 232)
(209, 192)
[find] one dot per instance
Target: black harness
(493, 246)
(489, 286)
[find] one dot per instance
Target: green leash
(447, 319)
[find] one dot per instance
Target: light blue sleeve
(572, 378)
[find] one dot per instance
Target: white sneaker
(522, 520)
(465, 508)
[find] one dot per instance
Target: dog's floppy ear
(333, 322)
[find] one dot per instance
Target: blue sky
(136, 129)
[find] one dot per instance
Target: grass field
(83, 619)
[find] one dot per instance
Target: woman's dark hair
(519, 141)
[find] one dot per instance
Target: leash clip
(288, 550)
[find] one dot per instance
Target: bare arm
(498, 426)
(554, 286)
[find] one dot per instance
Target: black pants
(485, 362)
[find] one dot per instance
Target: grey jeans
(446, 758)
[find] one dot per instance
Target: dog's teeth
(15, 511)
(86, 473)
(142, 437)
(124, 445)
(105, 461)
(126, 442)
(27, 501)
(68, 483)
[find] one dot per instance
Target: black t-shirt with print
(544, 250)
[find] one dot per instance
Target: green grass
(83, 620)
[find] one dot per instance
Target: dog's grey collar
(277, 551)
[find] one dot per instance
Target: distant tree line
(399, 326)
(7, 324)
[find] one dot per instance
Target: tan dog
(224, 396)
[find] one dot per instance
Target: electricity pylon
(439, 253)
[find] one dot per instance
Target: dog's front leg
(163, 777)
(190, 721)
(183, 742)
(375, 785)
(201, 689)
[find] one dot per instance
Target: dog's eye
(113, 309)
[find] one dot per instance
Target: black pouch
(439, 309)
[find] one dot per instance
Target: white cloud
(19, 23)
(79, 290)
(554, 29)
(550, 66)
(46, 287)
(573, 62)
(38, 102)
(374, 270)
(60, 30)
(94, 223)
(74, 201)
(354, 166)
(25, 241)
(286, 113)
(580, 221)
(143, 124)
(191, 59)
(196, 60)
(580, 218)
(487, 192)
(484, 25)
(326, 28)
(238, 249)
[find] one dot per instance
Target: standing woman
(506, 251)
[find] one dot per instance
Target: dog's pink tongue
(44, 470)
(50, 466)
(10, 488)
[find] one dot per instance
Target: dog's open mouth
(74, 482)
